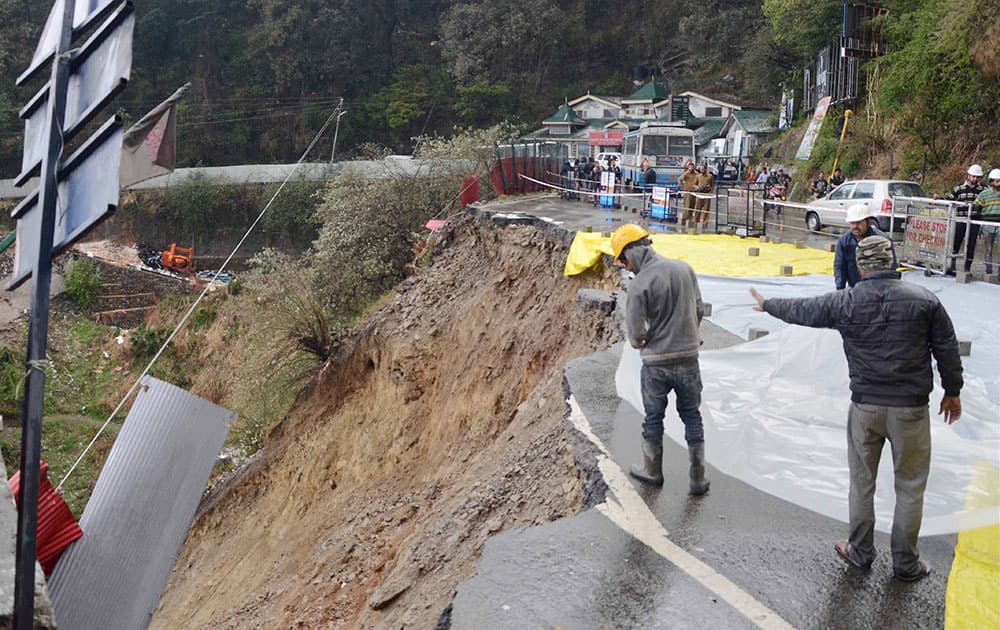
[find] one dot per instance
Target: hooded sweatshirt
(664, 307)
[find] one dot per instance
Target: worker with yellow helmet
(663, 313)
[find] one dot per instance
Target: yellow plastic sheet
(711, 254)
(973, 596)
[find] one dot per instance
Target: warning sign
(927, 232)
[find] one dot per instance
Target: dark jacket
(845, 265)
(890, 330)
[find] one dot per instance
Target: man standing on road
(836, 179)
(966, 193)
(688, 183)
(890, 330)
(662, 316)
(705, 186)
(859, 219)
(987, 208)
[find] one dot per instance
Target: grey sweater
(664, 307)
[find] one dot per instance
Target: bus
(667, 146)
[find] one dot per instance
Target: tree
(937, 89)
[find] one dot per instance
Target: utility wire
(204, 292)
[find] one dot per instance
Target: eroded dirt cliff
(438, 422)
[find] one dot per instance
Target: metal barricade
(740, 209)
(928, 232)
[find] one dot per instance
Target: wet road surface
(737, 551)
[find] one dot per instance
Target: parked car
(604, 157)
(877, 194)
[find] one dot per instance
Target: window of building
(713, 112)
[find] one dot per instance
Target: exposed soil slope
(439, 422)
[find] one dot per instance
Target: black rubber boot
(651, 471)
(699, 485)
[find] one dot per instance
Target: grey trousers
(908, 430)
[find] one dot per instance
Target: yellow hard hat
(625, 236)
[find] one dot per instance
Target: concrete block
(588, 229)
(831, 247)
(595, 300)
(605, 234)
(963, 277)
(800, 244)
(708, 309)
(964, 348)
(764, 239)
(992, 278)
(786, 270)
(756, 333)
(754, 251)
(691, 230)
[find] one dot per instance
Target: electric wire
(198, 300)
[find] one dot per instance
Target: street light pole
(336, 128)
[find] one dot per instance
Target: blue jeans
(684, 379)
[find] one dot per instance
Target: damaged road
(657, 558)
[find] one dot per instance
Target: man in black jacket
(890, 329)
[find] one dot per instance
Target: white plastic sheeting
(775, 409)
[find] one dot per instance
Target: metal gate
(740, 209)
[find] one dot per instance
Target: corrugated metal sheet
(57, 527)
(140, 510)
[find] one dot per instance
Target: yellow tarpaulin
(711, 254)
(973, 596)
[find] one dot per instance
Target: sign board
(85, 13)
(658, 206)
(606, 138)
(809, 139)
(88, 193)
(927, 235)
(98, 73)
(607, 198)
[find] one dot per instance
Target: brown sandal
(847, 551)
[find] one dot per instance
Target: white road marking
(625, 508)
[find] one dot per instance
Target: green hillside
(266, 73)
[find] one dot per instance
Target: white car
(604, 158)
(877, 194)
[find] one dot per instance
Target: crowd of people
(584, 176)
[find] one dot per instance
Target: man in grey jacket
(890, 330)
(662, 316)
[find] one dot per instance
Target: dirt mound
(437, 424)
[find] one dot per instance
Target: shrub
(147, 341)
(83, 280)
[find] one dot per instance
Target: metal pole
(336, 128)
(31, 435)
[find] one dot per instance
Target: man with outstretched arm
(890, 330)
(662, 316)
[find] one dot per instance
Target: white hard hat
(995, 174)
(975, 170)
(858, 212)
